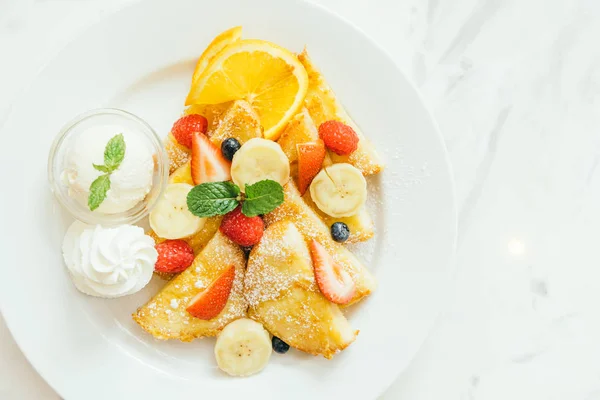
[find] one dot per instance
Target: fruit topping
(310, 161)
(223, 40)
(243, 348)
(279, 346)
(339, 190)
(211, 301)
(338, 137)
(187, 126)
(270, 78)
(174, 256)
(334, 283)
(257, 160)
(170, 217)
(229, 147)
(340, 232)
(208, 163)
(243, 230)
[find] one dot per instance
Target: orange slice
(215, 47)
(268, 77)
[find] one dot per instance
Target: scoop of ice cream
(129, 183)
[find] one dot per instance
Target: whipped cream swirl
(109, 262)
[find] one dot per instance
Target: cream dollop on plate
(109, 262)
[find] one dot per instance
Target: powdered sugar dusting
(311, 227)
(164, 321)
(366, 250)
(405, 176)
(279, 269)
(240, 121)
(278, 261)
(178, 154)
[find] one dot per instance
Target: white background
(515, 87)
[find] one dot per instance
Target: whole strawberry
(185, 127)
(338, 137)
(245, 231)
(174, 256)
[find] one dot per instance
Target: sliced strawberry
(335, 284)
(211, 301)
(208, 163)
(310, 161)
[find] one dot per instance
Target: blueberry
(279, 346)
(229, 147)
(340, 232)
(247, 251)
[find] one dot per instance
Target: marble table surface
(515, 88)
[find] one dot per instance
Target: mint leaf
(102, 168)
(262, 197)
(114, 153)
(98, 190)
(213, 198)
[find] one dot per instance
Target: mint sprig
(262, 197)
(218, 198)
(98, 190)
(114, 153)
(102, 168)
(215, 198)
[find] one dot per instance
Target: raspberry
(338, 137)
(173, 256)
(245, 231)
(186, 126)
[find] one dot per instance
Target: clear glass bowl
(107, 116)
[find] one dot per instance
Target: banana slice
(339, 190)
(259, 159)
(170, 218)
(243, 348)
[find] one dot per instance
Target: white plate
(141, 59)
